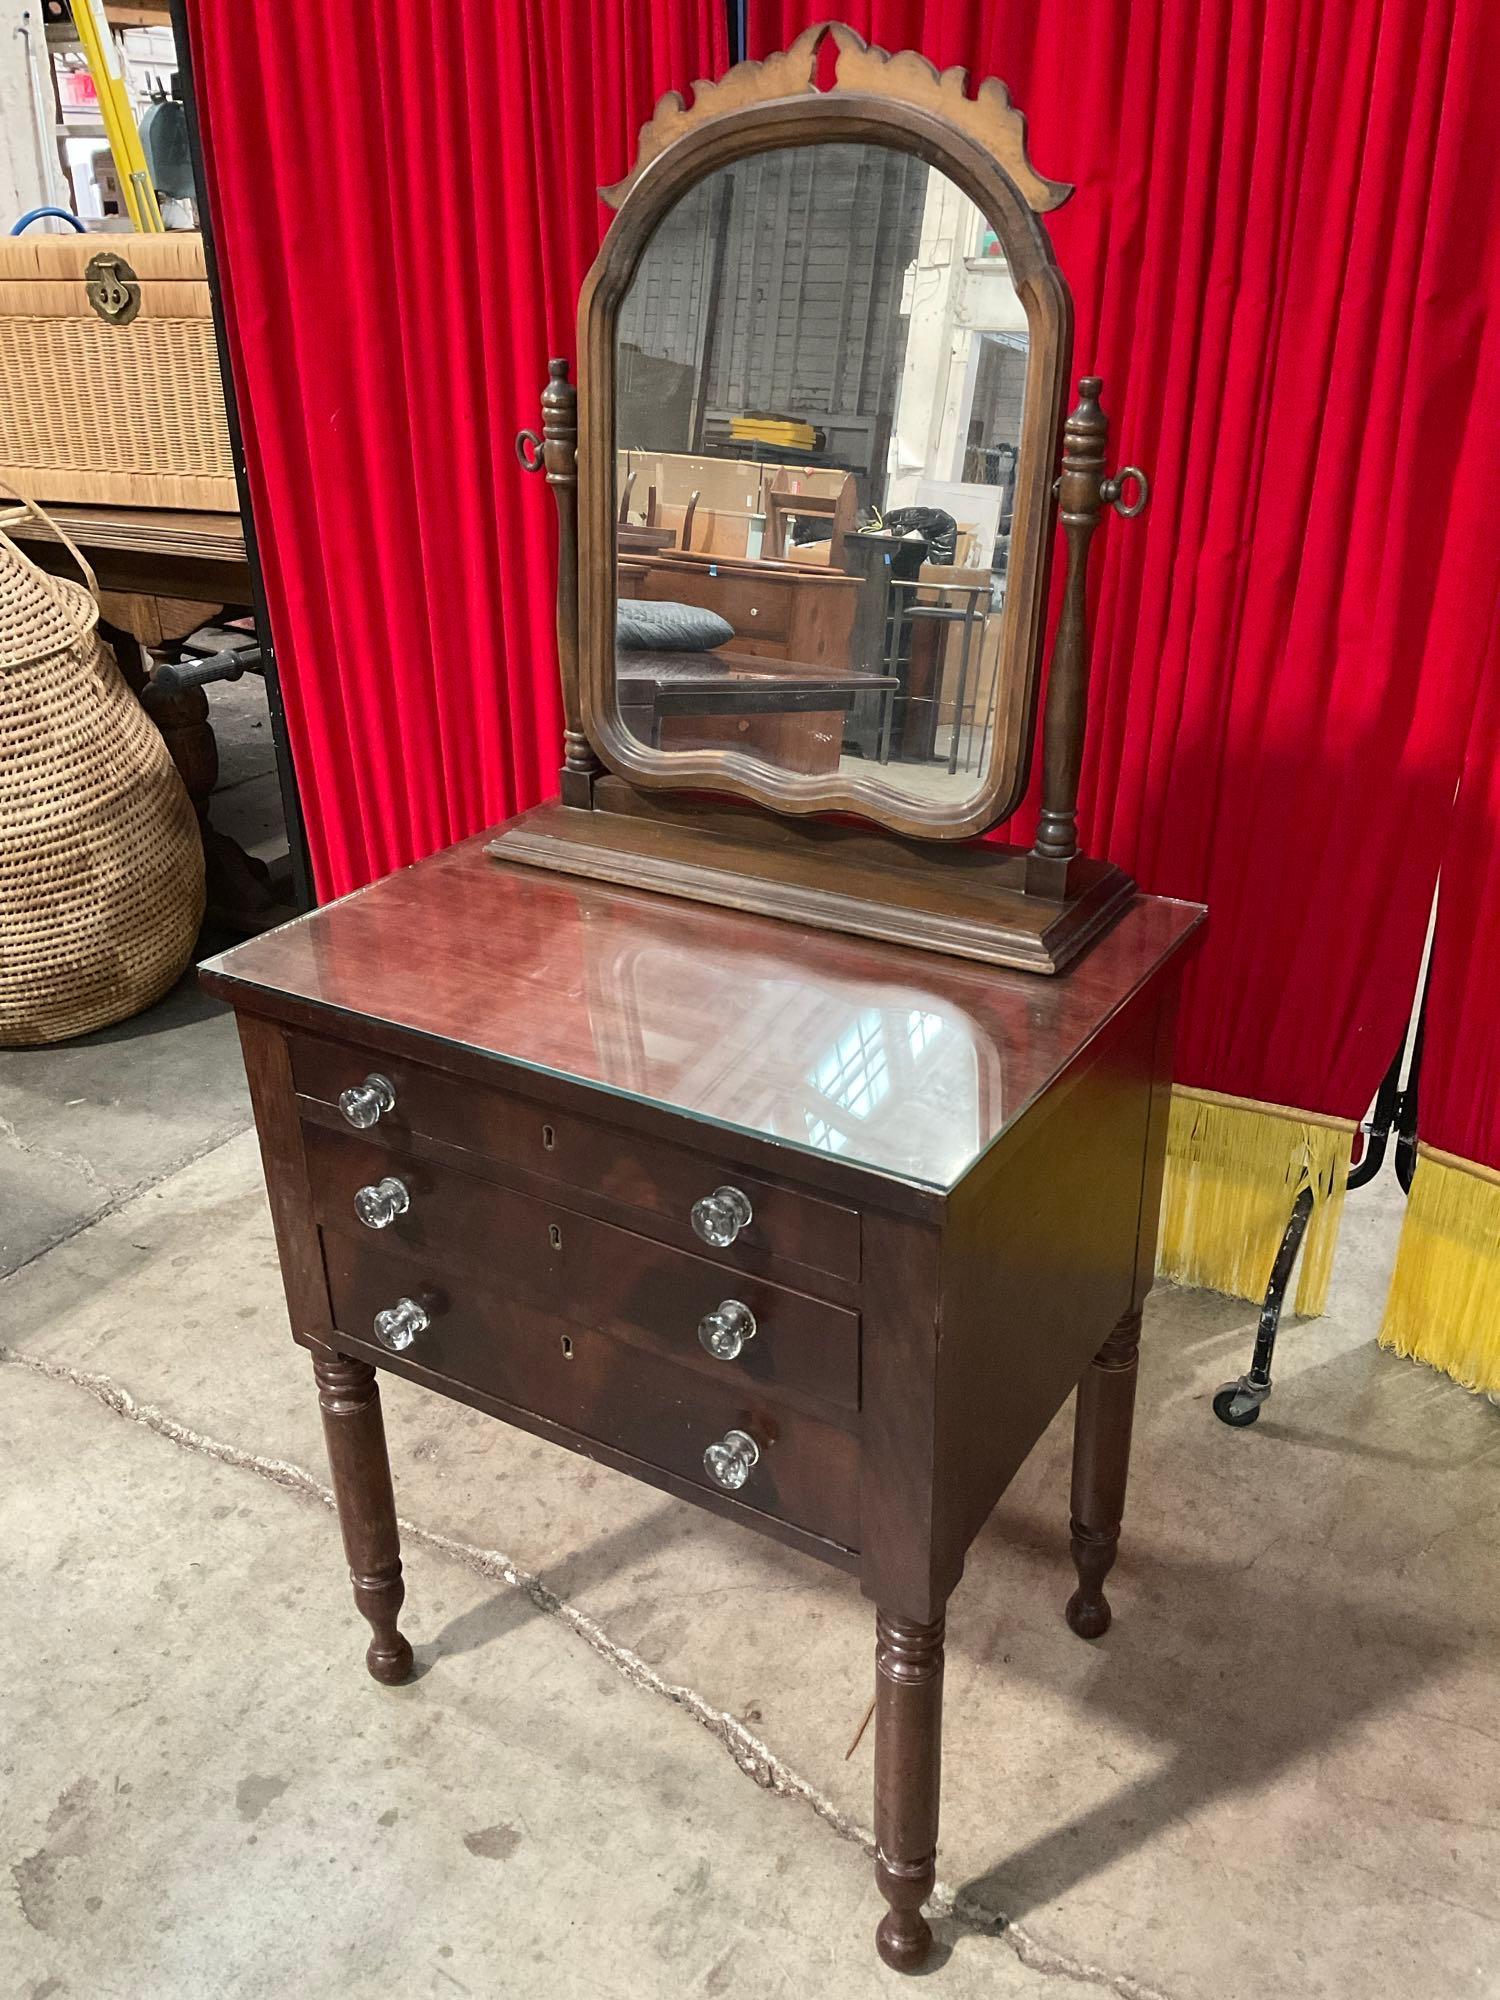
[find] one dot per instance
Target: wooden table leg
(350, 1400)
(908, 1776)
(1101, 1466)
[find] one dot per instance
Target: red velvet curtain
(404, 203)
(1460, 1081)
(1285, 254)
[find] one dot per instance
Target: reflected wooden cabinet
(779, 611)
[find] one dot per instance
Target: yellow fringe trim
(1444, 1303)
(1234, 1168)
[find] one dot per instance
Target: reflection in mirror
(819, 378)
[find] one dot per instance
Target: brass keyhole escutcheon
(554, 1235)
(567, 1347)
(112, 288)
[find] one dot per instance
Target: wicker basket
(101, 862)
(94, 412)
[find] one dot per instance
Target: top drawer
(642, 1173)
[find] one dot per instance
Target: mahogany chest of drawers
(817, 1233)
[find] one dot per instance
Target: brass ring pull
(531, 460)
(1112, 490)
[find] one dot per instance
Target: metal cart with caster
(1394, 1114)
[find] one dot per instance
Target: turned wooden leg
(357, 1458)
(1101, 1466)
(908, 1775)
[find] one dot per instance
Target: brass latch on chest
(113, 289)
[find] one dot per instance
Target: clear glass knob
(730, 1462)
(366, 1102)
(377, 1207)
(719, 1217)
(399, 1325)
(723, 1332)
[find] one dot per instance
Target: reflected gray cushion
(642, 625)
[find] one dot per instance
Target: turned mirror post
(1080, 507)
(1083, 492)
(556, 453)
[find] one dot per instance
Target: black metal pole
(291, 802)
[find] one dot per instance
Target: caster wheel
(1231, 1408)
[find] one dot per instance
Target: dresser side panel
(1038, 1265)
(899, 1359)
(268, 1070)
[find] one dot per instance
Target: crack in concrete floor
(80, 1163)
(752, 1756)
(112, 1197)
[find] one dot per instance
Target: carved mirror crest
(823, 352)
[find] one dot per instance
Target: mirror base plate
(967, 901)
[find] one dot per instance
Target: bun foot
(1088, 1616)
(903, 1939)
(389, 1664)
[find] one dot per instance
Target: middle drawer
(592, 1272)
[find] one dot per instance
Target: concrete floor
(622, 1770)
(85, 1126)
(247, 798)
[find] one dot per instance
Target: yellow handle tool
(119, 120)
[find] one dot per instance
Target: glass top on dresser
(902, 1062)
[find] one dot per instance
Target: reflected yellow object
(785, 432)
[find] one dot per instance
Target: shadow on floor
(1253, 1689)
(1241, 1661)
(499, 1615)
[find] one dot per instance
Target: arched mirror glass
(821, 377)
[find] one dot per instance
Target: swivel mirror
(820, 379)
(823, 353)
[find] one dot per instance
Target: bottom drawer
(653, 1409)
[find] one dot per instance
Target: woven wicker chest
(109, 377)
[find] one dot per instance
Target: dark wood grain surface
(591, 1272)
(971, 903)
(900, 1062)
(1038, 1264)
(599, 1388)
(637, 1177)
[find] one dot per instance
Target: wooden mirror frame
(784, 846)
(902, 103)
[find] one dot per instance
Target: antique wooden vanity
(750, 1126)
